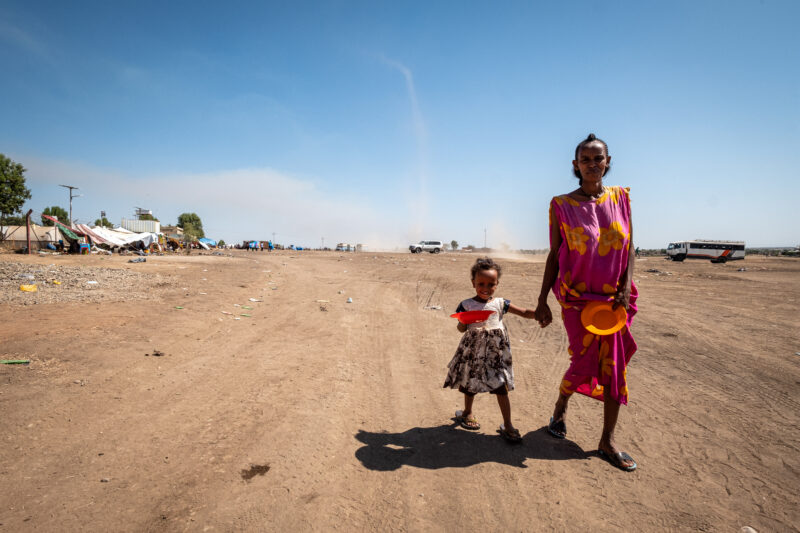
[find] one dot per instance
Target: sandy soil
(321, 415)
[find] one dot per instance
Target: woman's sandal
(468, 422)
(617, 459)
(511, 435)
(557, 429)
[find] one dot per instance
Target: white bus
(716, 251)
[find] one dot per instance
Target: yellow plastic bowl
(601, 318)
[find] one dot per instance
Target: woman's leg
(560, 411)
(610, 415)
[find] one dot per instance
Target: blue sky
(388, 122)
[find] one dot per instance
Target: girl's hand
(623, 298)
(543, 315)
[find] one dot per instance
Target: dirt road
(316, 414)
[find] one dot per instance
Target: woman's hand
(543, 315)
(623, 298)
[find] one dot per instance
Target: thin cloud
(234, 204)
(420, 203)
(23, 40)
(419, 121)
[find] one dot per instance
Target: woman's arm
(543, 314)
(461, 327)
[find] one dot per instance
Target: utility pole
(323, 243)
(273, 237)
(484, 237)
(71, 196)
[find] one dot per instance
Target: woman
(591, 258)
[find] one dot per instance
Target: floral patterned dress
(591, 260)
(482, 362)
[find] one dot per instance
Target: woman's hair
(486, 263)
(590, 139)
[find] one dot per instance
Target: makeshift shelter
(118, 237)
(207, 241)
(73, 236)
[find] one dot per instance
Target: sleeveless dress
(591, 260)
(482, 362)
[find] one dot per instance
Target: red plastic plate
(470, 317)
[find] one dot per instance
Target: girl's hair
(486, 263)
(590, 139)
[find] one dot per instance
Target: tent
(116, 238)
(205, 240)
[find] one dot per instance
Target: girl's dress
(482, 362)
(593, 256)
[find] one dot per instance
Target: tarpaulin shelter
(66, 230)
(117, 238)
(206, 240)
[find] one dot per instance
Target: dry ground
(310, 415)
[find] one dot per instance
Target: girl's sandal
(511, 435)
(468, 422)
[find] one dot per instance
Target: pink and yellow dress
(591, 260)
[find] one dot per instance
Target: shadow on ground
(449, 446)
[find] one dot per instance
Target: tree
(454, 244)
(189, 233)
(58, 212)
(16, 220)
(147, 216)
(221, 243)
(13, 192)
(191, 219)
(103, 222)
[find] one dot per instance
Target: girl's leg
(505, 409)
(468, 420)
(468, 399)
(610, 415)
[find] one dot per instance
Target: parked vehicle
(433, 247)
(716, 251)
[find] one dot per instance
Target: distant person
(592, 258)
(482, 362)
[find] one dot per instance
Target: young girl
(482, 362)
